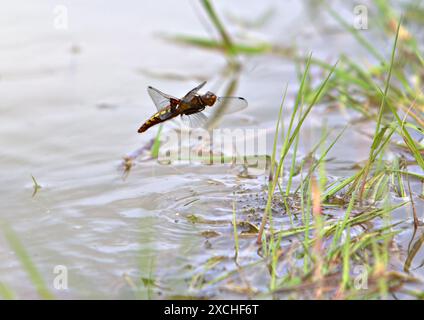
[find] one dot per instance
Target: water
(71, 102)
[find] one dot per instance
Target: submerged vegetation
(340, 239)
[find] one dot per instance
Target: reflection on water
(71, 101)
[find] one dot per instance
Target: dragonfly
(190, 108)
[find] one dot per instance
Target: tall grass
(290, 137)
(27, 264)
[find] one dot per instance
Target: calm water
(71, 101)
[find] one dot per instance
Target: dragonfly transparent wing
(229, 104)
(160, 99)
(223, 105)
(196, 120)
(193, 92)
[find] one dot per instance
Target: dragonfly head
(209, 98)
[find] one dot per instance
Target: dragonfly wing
(193, 92)
(230, 104)
(160, 99)
(196, 120)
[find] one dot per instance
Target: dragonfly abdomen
(158, 117)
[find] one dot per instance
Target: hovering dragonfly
(189, 107)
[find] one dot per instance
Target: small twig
(36, 186)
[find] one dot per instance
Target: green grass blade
(26, 262)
